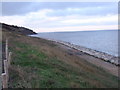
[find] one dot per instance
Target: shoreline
(100, 55)
(38, 63)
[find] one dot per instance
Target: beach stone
(112, 61)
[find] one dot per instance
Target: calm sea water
(104, 41)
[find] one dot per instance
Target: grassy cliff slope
(38, 63)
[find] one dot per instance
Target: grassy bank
(38, 63)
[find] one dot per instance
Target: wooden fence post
(6, 49)
(9, 59)
(6, 68)
(4, 80)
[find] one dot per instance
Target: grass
(38, 63)
(49, 72)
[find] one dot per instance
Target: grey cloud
(21, 8)
(16, 8)
(85, 11)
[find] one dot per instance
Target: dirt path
(111, 68)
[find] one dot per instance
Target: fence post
(6, 49)
(9, 59)
(6, 68)
(4, 80)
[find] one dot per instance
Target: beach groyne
(103, 56)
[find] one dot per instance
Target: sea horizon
(78, 31)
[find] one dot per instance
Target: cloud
(85, 20)
(78, 28)
(98, 10)
(15, 8)
(71, 18)
(31, 17)
(22, 8)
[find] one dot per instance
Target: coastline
(55, 65)
(101, 55)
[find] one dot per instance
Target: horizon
(61, 16)
(78, 31)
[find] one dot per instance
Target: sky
(61, 16)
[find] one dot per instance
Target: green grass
(34, 69)
(49, 72)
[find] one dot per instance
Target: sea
(103, 40)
